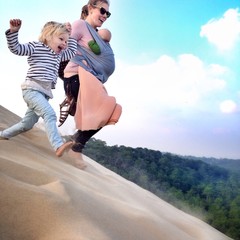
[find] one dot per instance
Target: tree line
(203, 189)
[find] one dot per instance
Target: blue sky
(177, 71)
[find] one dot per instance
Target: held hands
(69, 27)
(15, 25)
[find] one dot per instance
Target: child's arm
(12, 39)
(72, 45)
(70, 51)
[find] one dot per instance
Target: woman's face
(98, 14)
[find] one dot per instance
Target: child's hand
(15, 25)
(69, 27)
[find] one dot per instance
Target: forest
(206, 188)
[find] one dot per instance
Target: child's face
(58, 42)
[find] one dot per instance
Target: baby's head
(105, 34)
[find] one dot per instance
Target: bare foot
(66, 146)
(77, 159)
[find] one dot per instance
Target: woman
(85, 74)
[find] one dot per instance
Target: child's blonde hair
(51, 29)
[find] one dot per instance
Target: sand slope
(46, 198)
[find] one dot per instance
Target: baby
(106, 35)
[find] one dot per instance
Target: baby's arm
(15, 25)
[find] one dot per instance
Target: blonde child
(44, 56)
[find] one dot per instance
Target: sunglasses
(104, 11)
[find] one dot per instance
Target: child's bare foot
(60, 151)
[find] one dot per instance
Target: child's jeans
(38, 106)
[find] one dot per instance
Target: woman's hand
(15, 25)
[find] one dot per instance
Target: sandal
(65, 106)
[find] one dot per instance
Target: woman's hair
(84, 12)
(96, 2)
(51, 29)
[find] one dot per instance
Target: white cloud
(166, 83)
(224, 33)
(163, 99)
(228, 106)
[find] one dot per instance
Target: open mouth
(60, 48)
(101, 20)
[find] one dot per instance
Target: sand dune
(47, 198)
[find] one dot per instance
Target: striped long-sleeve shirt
(43, 62)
